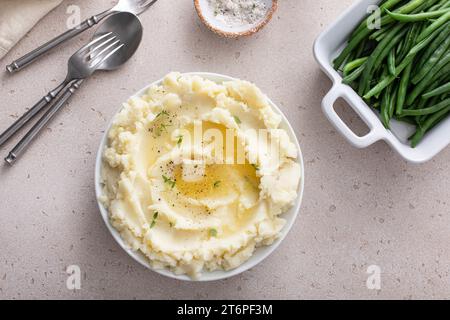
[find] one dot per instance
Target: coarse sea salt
(235, 13)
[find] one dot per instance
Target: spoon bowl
(126, 27)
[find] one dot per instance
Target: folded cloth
(17, 17)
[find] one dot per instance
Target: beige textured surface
(361, 207)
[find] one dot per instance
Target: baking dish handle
(369, 117)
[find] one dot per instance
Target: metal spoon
(133, 6)
(114, 43)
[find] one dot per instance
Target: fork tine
(87, 46)
(104, 53)
(90, 53)
(107, 56)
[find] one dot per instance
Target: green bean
(360, 50)
(387, 80)
(420, 112)
(445, 88)
(403, 87)
(387, 5)
(365, 31)
(436, 7)
(427, 125)
(433, 46)
(385, 103)
(380, 33)
(400, 46)
(432, 102)
(422, 103)
(416, 17)
(411, 6)
(391, 61)
(424, 7)
(350, 47)
(353, 65)
(408, 42)
(380, 37)
(434, 26)
(440, 5)
(354, 75)
(380, 52)
(430, 6)
(432, 61)
(392, 101)
(431, 75)
(406, 61)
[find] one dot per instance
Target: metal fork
(80, 66)
(133, 6)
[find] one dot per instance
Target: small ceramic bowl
(207, 16)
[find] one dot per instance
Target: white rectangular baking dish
(326, 48)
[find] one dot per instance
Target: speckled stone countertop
(361, 207)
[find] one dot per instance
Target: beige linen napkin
(17, 17)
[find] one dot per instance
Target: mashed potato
(197, 174)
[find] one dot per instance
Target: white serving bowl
(260, 253)
(207, 16)
(327, 46)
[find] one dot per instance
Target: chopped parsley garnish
(217, 184)
(162, 128)
(162, 113)
(180, 140)
(213, 232)
(155, 216)
(169, 181)
(255, 166)
(159, 127)
(236, 118)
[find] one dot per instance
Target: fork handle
(69, 34)
(28, 138)
(31, 113)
